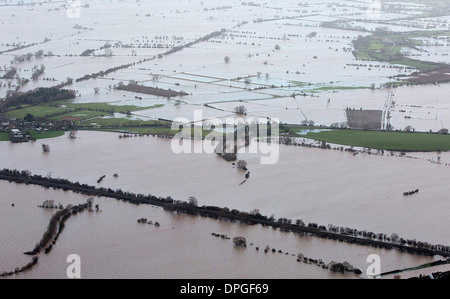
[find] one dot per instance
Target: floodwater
(200, 70)
(111, 244)
(325, 187)
(322, 186)
(305, 184)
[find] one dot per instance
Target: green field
(119, 122)
(108, 107)
(155, 130)
(335, 88)
(80, 111)
(42, 135)
(4, 137)
(317, 88)
(46, 134)
(396, 141)
(386, 46)
(40, 111)
(80, 115)
(146, 130)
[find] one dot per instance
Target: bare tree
(39, 54)
(193, 201)
(37, 71)
(96, 90)
(240, 110)
(108, 52)
(227, 59)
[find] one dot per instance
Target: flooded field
(269, 46)
(288, 60)
(305, 184)
(112, 245)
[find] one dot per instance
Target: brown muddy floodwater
(111, 244)
(326, 187)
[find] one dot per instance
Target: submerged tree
(45, 148)
(242, 164)
(241, 110)
(240, 241)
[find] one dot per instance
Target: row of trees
(37, 71)
(191, 207)
(29, 56)
(36, 96)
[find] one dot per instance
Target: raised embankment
(50, 236)
(351, 236)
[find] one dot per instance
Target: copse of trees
(87, 52)
(10, 73)
(37, 96)
(37, 71)
(240, 110)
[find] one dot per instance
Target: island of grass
(4, 137)
(36, 135)
(386, 46)
(46, 134)
(152, 127)
(66, 110)
(382, 140)
(321, 87)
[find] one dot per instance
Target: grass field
(335, 88)
(387, 47)
(316, 88)
(155, 130)
(80, 115)
(108, 107)
(40, 111)
(119, 122)
(396, 141)
(146, 130)
(47, 134)
(4, 137)
(85, 111)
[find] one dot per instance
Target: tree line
(348, 235)
(36, 96)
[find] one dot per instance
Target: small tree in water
(242, 164)
(240, 241)
(241, 110)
